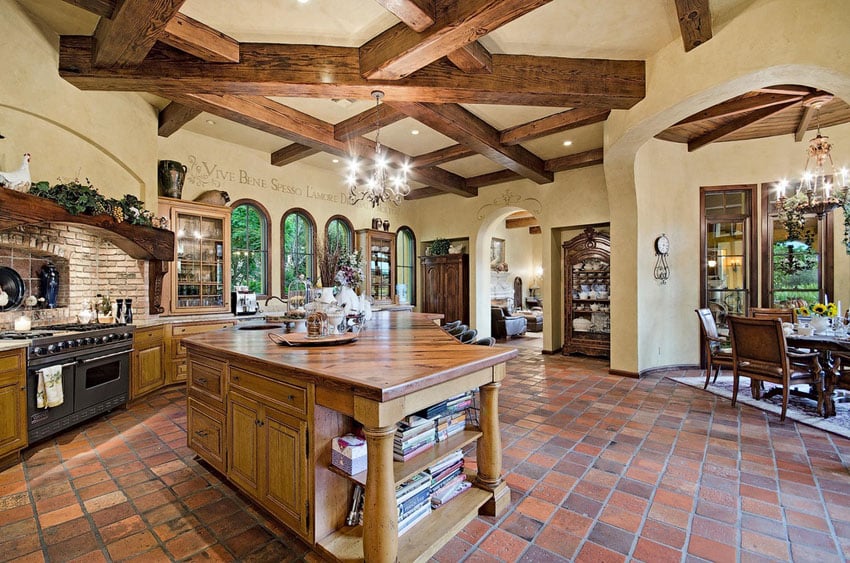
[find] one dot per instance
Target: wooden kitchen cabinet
(177, 368)
(378, 251)
(13, 405)
(205, 410)
(267, 450)
(198, 281)
(445, 286)
(147, 371)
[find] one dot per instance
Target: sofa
(504, 325)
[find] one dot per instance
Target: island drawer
(206, 432)
(206, 380)
(288, 395)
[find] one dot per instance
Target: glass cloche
(298, 297)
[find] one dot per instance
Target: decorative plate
(13, 285)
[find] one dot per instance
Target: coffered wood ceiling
(493, 87)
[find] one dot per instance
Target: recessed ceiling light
(567, 143)
(303, 1)
(336, 159)
(210, 122)
(414, 131)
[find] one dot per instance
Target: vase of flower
(820, 324)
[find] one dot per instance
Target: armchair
(504, 325)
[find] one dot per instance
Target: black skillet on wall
(13, 285)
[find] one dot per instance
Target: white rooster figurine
(18, 180)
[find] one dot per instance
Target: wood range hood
(138, 241)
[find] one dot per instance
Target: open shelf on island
(422, 540)
(404, 470)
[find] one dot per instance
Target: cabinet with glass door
(200, 276)
(378, 251)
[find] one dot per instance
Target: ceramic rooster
(19, 179)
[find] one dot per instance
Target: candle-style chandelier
(381, 180)
(822, 188)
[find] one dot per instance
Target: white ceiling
(615, 29)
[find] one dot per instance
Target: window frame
(345, 221)
(267, 235)
(311, 263)
(411, 292)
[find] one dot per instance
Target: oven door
(102, 379)
(38, 418)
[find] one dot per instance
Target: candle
(23, 323)
(839, 309)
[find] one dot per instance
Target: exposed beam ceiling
(292, 153)
(102, 8)
(418, 15)
(198, 39)
(738, 123)
(135, 25)
(694, 21)
(174, 116)
(366, 122)
(557, 123)
(574, 161)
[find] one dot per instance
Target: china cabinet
(445, 286)
(587, 311)
(378, 252)
(199, 279)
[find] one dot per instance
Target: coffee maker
(243, 301)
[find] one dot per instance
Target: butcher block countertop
(394, 355)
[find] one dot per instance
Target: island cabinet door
(243, 443)
(286, 489)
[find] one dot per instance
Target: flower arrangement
(350, 270)
(818, 310)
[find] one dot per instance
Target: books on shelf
(450, 491)
(413, 498)
(413, 518)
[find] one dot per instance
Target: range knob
(88, 340)
(79, 342)
(39, 351)
(126, 336)
(73, 343)
(51, 349)
(60, 346)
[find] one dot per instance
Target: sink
(262, 326)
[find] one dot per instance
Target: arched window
(340, 233)
(405, 265)
(298, 231)
(249, 246)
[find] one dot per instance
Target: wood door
(148, 372)
(286, 489)
(13, 416)
(453, 290)
(433, 292)
(243, 443)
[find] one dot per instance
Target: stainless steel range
(95, 361)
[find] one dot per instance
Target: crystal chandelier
(821, 189)
(382, 180)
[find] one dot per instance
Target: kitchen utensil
(13, 285)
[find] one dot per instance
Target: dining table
(826, 344)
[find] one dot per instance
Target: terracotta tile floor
(602, 468)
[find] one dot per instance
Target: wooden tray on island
(301, 339)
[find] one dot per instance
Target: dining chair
(760, 353)
(486, 341)
(718, 351)
(784, 315)
(468, 336)
(451, 325)
(458, 330)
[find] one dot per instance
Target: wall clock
(662, 248)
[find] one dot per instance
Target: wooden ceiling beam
(493, 178)
(739, 106)
(521, 222)
(552, 124)
(127, 38)
(199, 39)
(400, 51)
(418, 15)
(732, 126)
(366, 122)
(803, 124)
(102, 8)
(574, 161)
(291, 153)
(472, 58)
(330, 72)
(174, 116)
(422, 193)
(694, 22)
(441, 156)
(788, 89)
(467, 129)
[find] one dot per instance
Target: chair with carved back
(718, 351)
(784, 315)
(760, 353)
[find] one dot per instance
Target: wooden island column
(380, 513)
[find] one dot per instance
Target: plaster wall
(109, 138)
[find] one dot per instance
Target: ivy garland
(84, 199)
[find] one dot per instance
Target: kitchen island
(264, 415)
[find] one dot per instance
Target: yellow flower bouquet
(818, 310)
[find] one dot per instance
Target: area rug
(800, 409)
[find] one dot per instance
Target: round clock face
(662, 245)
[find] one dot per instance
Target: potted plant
(439, 247)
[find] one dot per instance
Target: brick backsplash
(87, 265)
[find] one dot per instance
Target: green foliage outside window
(297, 248)
(249, 248)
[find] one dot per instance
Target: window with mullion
(249, 248)
(405, 260)
(299, 233)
